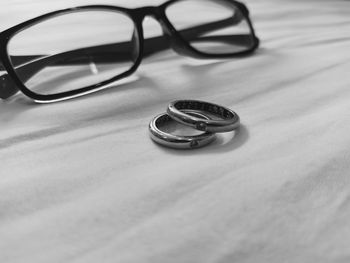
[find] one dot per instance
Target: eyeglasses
(76, 51)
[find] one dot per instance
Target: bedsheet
(80, 180)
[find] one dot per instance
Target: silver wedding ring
(159, 135)
(228, 119)
(203, 116)
(178, 141)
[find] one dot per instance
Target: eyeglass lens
(73, 50)
(228, 31)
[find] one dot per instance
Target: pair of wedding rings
(203, 116)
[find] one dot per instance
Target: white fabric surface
(80, 181)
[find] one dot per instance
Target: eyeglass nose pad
(135, 46)
(176, 43)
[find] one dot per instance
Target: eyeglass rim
(179, 44)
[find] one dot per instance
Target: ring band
(178, 141)
(229, 120)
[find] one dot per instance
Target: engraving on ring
(221, 119)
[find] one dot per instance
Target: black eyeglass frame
(137, 15)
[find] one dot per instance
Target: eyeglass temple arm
(102, 53)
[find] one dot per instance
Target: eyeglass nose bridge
(142, 12)
(169, 33)
(155, 12)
